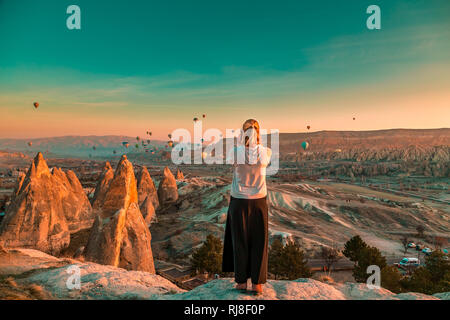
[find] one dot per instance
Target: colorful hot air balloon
(170, 143)
(30, 144)
(308, 127)
(305, 145)
(125, 144)
(36, 105)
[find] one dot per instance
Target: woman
(246, 231)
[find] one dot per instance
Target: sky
(155, 65)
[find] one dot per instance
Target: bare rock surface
(97, 281)
(167, 189)
(120, 237)
(102, 282)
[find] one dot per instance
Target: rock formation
(146, 189)
(120, 236)
(180, 175)
(148, 211)
(167, 190)
(77, 209)
(35, 218)
(102, 185)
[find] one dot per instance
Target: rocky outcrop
(102, 185)
(100, 282)
(77, 208)
(148, 211)
(36, 216)
(120, 236)
(180, 175)
(167, 189)
(146, 188)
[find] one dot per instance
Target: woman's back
(249, 171)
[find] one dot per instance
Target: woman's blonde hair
(251, 123)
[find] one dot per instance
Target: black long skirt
(246, 240)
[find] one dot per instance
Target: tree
(275, 253)
(431, 278)
(391, 279)
(294, 263)
(440, 242)
(420, 231)
(208, 258)
(367, 257)
(330, 255)
(405, 241)
(353, 248)
(288, 262)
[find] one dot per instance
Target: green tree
(391, 279)
(208, 258)
(367, 257)
(275, 253)
(288, 262)
(432, 278)
(353, 248)
(294, 264)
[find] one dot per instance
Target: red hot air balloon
(354, 118)
(309, 127)
(204, 116)
(36, 105)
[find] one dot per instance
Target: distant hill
(368, 140)
(78, 146)
(320, 142)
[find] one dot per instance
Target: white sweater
(249, 171)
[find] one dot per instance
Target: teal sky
(156, 64)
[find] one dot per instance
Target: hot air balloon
(195, 119)
(354, 118)
(170, 136)
(30, 144)
(149, 133)
(308, 127)
(170, 143)
(137, 138)
(305, 145)
(204, 116)
(36, 105)
(125, 144)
